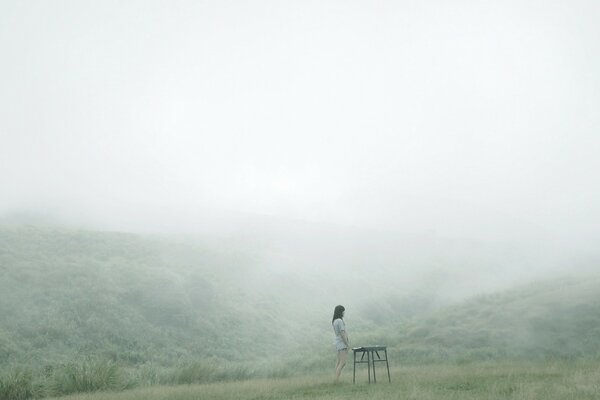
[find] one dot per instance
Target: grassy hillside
(133, 300)
(83, 310)
(552, 319)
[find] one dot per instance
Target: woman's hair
(338, 312)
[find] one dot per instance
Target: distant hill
(558, 318)
(67, 294)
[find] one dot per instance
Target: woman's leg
(341, 362)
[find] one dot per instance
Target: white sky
(462, 117)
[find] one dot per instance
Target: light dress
(338, 327)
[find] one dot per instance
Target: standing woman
(342, 344)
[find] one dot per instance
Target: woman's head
(338, 312)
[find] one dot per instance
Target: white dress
(338, 327)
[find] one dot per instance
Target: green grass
(137, 300)
(551, 380)
(90, 376)
(16, 386)
(84, 311)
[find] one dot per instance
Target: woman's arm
(345, 338)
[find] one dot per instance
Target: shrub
(90, 376)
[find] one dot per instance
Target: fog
(188, 189)
(465, 121)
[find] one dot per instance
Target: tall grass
(94, 375)
(480, 381)
(90, 376)
(17, 385)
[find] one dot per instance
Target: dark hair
(338, 312)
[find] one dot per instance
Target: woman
(342, 344)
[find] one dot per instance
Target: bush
(89, 376)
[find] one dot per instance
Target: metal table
(371, 352)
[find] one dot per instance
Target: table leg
(369, 365)
(354, 373)
(388, 366)
(373, 358)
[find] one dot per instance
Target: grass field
(159, 318)
(550, 380)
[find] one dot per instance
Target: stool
(371, 352)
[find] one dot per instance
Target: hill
(69, 293)
(558, 318)
(184, 309)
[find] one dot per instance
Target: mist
(188, 188)
(469, 120)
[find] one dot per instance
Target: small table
(371, 352)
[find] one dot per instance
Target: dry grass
(481, 381)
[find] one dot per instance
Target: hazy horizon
(467, 120)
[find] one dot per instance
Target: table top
(369, 348)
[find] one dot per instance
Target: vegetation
(85, 311)
(488, 381)
(557, 319)
(16, 385)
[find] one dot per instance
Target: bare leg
(341, 362)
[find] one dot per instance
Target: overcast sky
(458, 117)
